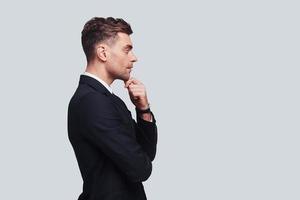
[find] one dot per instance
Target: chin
(125, 78)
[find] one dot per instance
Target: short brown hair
(99, 29)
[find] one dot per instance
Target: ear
(101, 52)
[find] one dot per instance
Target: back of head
(99, 29)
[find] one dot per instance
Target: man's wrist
(145, 109)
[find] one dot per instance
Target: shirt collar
(100, 80)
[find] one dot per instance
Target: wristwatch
(143, 111)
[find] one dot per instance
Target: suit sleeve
(103, 127)
(146, 133)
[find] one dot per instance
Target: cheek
(114, 61)
(123, 60)
(118, 60)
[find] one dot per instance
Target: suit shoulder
(95, 103)
(94, 98)
(85, 91)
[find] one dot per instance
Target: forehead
(123, 39)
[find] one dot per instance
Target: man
(113, 151)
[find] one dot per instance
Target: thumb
(128, 82)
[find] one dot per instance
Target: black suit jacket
(114, 152)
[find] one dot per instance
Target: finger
(137, 92)
(136, 81)
(127, 83)
(132, 85)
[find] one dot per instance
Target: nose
(134, 58)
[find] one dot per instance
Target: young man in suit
(114, 152)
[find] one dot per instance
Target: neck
(100, 72)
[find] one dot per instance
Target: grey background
(222, 78)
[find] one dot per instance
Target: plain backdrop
(222, 78)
